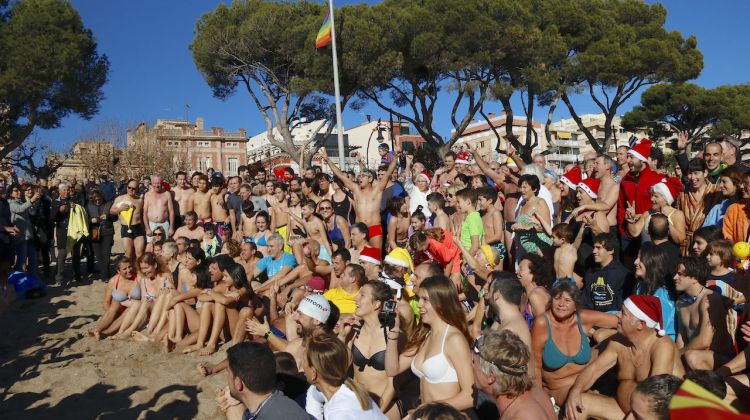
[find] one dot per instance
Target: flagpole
(340, 131)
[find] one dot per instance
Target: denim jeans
(25, 252)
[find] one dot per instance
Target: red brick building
(194, 147)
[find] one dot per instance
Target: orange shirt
(736, 223)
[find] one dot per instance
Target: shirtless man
(132, 231)
(565, 253)
(312, 224)
(201, 200)
(367, 196)
(191, 229)
(183, 194)
(280, 213)
(702, 334)
(158, 209)
(223, 224)
(436, 204)
(609, 192)
(640, 350)
(447, 173)
(492, 218)
(505, 299)
(622, 162)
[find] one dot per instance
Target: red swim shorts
(374, 231)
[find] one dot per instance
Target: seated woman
(560, 340)
(333, 394)
(370, 339)
(159, 236)
(260, 238)
(222, 306)
(654, 275)
(536, 277)
(157, 285)
(662, 199)
(123, 293)
(442, 360)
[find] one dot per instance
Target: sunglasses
(326, 208)
(158, 234)
(132, 188)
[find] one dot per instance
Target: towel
(78, 226)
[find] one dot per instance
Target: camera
(387, 315)
(389, 306)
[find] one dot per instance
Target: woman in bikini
(536, 277)
(532, 216)
(297, 232)
(342, 203)
(169, 261)
(442, 361)
(398, 224)
(260, 239)
(560, 340)
(123, 294)
(370, 339)
(337, 228)
(222, 308)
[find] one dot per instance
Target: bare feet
(138, 336)
(190, 349)
(205, 369)
(208, 350)
(168, 345)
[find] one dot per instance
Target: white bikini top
(437, 369)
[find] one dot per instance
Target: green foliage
(49, 69)
(735, 112)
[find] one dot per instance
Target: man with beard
(251, 391)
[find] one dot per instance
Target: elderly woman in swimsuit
(560, 340)
(443, 358)
(224, 308)
(123, 293)
(370, 339)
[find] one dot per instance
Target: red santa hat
(462, 158)
(572, 178)
(669, 188)
(647, 309)
(426, 175)
(590, 186)
(641, 150)
(371, 255)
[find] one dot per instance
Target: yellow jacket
(78, 225)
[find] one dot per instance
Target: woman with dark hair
(398, 223)
(123, 293)
(334, 395)
(536, 277)
(654, 275)
(698, 197)
(263, 225)
(223, 304)
(324, 186)
(702, 237)
(342, 202)
(440, 245)
(560, 340)
(730, 182)
(532, 216)
(442, 360)
(359, 238)
(297, 232)
(418, 221)
(337, 228)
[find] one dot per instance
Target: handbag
(94, 233)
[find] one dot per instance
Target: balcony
(569, 143)
(557, 157)
(189, 134)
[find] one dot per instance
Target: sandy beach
(49, 370)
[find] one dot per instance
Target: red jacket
(636, 189)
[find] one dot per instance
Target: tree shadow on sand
(103, 401)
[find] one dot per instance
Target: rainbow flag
(324, 34)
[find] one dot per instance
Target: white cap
(316, 307)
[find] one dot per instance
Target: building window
(204, 163)
(230, 144)
(233, 164)
(203, 143)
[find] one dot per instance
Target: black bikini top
(376, 361)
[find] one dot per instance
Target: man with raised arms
(158, 209)
(201, 201)
(640, 350)
(608, 192)
(367, 196)
(183, 194)
(129, 207)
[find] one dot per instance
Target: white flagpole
(340, 131)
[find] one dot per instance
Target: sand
(48, 370)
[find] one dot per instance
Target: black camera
(387, 315)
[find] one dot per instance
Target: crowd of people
(482, 290)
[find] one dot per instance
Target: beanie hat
(317, 283)
(669, 188)
(647, 309)
(316, 307)
(641, 150)
(572, 178)
(590, 186)
(371, 255)
(400, 257)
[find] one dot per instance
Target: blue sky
(153, 75)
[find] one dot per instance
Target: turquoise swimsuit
(554, 359)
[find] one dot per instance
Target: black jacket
(604, 287)
(60, 219)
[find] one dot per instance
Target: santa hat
(590, 186)
(572, 178)
(462, 158)
(647, 309)
(641, 150)
(426, 175)
(400, 257)
(370, 255)
(669, 188)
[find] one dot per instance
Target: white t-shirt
(344, 405)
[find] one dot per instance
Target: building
(195, 148)
(480, 135)
(87, 158)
